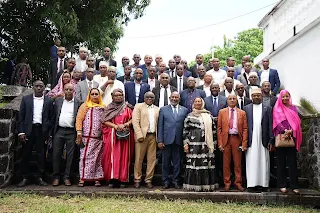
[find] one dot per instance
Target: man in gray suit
(244, 77)
(65, 110)
(84, 86)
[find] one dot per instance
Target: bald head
(68, 91)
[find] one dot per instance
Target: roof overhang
(273, 10)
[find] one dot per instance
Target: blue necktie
(175, 113)
(215, 108)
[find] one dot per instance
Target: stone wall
(8, 138)
(309, 158)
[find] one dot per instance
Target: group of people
(203, 120)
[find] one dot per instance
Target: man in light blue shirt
(120, 70)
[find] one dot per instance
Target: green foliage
(28, 28)
(247, 42)
(308, 106)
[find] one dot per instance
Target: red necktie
(231, 119)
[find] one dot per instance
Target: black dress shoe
(40, 182)
(177, 186)
(166, 186)
(23, 183)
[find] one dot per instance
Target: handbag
(282, 141)
(123, 135)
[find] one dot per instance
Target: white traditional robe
(257, 156)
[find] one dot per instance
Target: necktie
(172, 73)
(215, 107)
(175, 113)
(165, 97)
(180, 85)
(231, 119)
(90, 85)
(241, 103)
(61, 66)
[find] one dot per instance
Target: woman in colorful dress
(199, 136)
(57, 91)
(118, 153)
(286, 121)
(89, 137)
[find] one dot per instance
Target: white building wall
(298, 66)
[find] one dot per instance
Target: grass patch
(36, 203)
(308, 106)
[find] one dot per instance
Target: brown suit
(231, 143)
(140, 122)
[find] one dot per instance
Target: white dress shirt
(264, 76)
(218, 76)
(58, 64)
(89, 84)
(67, 118)
(137, 88)
(161, 101)
(83, 65)
(179, 87)
(239, 101)
(207, 90)
(100, 80)
(152, 83)
(106, 95)
(151, 128)
(37, 109)
(172, 74)
(175, 108)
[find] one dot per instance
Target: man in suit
(152, 78)
(206, 87)
(267, 98)
(127, 75)
(271, 75)
(201, 71)
(228, 83)
(163, 91)
(83, 87)
(241, 68)
(162, 69)
(179, 81)
(65, 110)
(145, 67)
(253, 83)
(232, 140)
(242, 99)
(244, 76)
(230, 74)
(135, 90)
(215, 102)
(54, 49)
(172, 68)
(136, 59)
(35, 121)
(189, 94)
(57, 66)
(186, 72)
(145, 122)
(199, 62)
(260, 142)
(230, 63)
(107, 58)
(177, 59)
(170, 127)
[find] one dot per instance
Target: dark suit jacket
(208, 103)
(273, 79)
(169, 128)
(246, 101)
(53, 52)
(130, 92)
(238, 70)
(111, 62)
(157, 81)
(156, 92)
(121, 78)
(273, 100)
(187, 73)
(53, 71)
(184, 96)
(266, 124)
(26, 115)
(57, 110)
(194, 71)
(173, 82)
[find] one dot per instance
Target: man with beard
(189, 94)
(163, 91)
(200, 73)
(267, 98)
(57, 66)
(134, 91)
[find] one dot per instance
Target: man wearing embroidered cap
(81, 62)
(260, 142)
(253, 84)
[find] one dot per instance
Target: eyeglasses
(94, 94)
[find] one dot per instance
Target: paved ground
(308, 197)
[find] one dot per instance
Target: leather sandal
(81, 183)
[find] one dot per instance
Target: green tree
(247, 42)
(28, 28)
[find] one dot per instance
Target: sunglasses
(94, 94)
